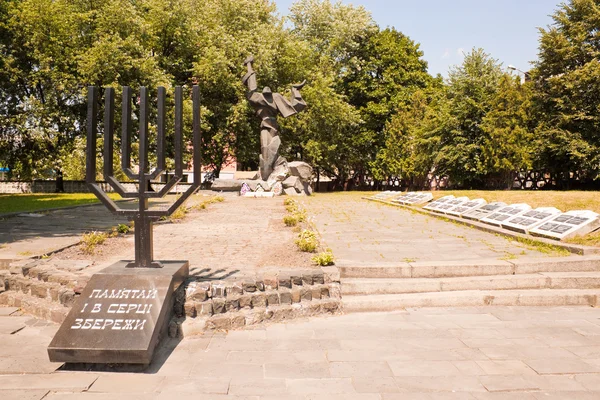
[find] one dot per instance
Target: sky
(446, 29)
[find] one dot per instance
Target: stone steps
(472, 268)
(468, 298)
(544, 280)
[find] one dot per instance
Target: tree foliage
(567, 87)
(373, 107)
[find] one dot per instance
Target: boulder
(293, 182)
(301, 169)
(290, 191)
(279, 174)
(227, 185)
(277, 189)
(307, 188)
(254, 184)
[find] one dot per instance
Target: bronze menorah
(143, 217)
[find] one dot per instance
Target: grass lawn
(565, 201)
(10, 203)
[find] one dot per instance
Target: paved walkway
(464, 354)
(361, 232)
(237, 237)
(42, 232)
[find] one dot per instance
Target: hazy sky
(506, 29)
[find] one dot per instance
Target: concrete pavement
(485, 353)
(366, 233)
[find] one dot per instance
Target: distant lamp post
(524, 75)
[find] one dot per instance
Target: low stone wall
(39, 186)
(42, 288)
(48, 289)
(212, 305)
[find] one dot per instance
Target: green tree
(567, 83)
(509, 142)
(460, 137)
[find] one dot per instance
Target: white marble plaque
(450, 204)
(385, 195)
(414, 198)
(478, 214)
(259, 194)
(569, 224)
(461, 209)
(435, 204)
(505, 213)
(529, 220)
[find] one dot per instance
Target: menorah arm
(119, 188)
(155, 174)
(107, 201)
(130, 174)
(166, 189)
(160, 213)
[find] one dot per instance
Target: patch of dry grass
(592, 239)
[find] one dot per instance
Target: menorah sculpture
(143, 217)
(125, 309)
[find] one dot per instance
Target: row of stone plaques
(547, 222)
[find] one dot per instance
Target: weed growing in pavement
(324, 259)
(290, 220)
(123, 229)
(546, 248)
(89, 241)
(179, 213)
(307, 241)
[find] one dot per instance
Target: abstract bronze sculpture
(268, 105)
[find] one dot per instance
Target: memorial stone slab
(385, 195)
(466, 207)
(435, 204)
(450, 204)
(120, 316)
(569, 224)
(479, 213)
(505, 213)
(414, 198)
(260, 194)
(531, 219)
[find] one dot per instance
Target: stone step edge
(41, 308)
(374, 286)
(573, 248)
(180, 327)
(482, 268)
(472, 298)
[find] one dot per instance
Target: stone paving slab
(6, 311)
(451, 353)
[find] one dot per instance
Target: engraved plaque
(120, 316)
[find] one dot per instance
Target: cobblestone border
(217, 305)
(48, 291)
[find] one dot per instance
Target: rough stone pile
(295, 178)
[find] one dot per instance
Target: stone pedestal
(121, 315)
